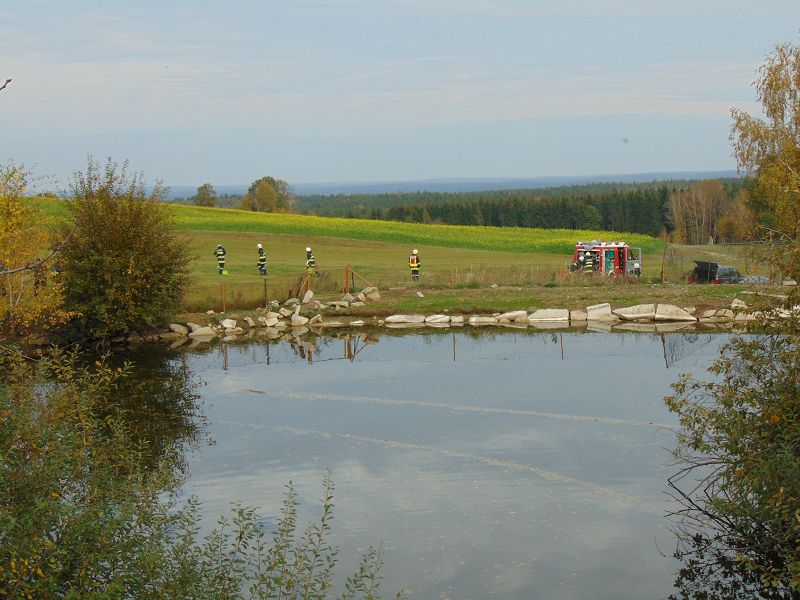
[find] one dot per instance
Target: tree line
(686, 212)
(691, 212)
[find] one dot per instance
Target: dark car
(711, 272)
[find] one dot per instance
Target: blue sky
(374, 90)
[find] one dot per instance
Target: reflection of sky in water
(510, 472)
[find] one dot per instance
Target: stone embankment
(599, 317)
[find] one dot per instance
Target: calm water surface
(507, 465)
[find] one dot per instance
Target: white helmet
(259, 245)
(308, 249)
(414, 251)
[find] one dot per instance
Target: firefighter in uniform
(311, 264)
(220, 254)
(588, 263)
(262, 260)
(414, 263)
(577, 265)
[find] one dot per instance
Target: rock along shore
(298, 316)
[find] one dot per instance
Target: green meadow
(453, 257)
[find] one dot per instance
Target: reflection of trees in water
(678, 346)
(158, 403)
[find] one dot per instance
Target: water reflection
(159, 403)
(518, 464)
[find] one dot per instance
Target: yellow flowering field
(506, 239)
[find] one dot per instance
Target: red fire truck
(610, 258)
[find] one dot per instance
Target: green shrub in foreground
(83, 514)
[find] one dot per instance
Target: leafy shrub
(124, 268)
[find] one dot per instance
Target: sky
(376, 90)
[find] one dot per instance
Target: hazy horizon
(313, 91)
(458, 184)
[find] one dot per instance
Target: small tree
(769, 150)
(738, 486)
(124, 266)
(30, 297)
(206, 195)
(268, 194)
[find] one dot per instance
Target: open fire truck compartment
(611, 258)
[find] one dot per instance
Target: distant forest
(646, 208)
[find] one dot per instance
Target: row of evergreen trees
(690, 211)
(638, 211)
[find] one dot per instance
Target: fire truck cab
(610, 258)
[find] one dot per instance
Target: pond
(488, 464)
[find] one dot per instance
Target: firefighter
(577, 265)
(262, 260)
(589, 262)
(311, 264)
(414, 263)
(220, 254)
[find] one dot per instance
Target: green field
(458, 257)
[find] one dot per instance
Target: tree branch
(32, 266)
(2, 87)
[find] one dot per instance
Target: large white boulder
(298, 320)
(372, 293)
(478, 320)
(456, 319)
(512, 315)
(437, 319)
(600, 312)
(638, 312)
(228, 323)
(670, 312)
(178, 328)
(549, 314)
(722, 315)
(405, 319)
(577, 316)
(308, 297)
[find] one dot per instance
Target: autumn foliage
(30, 298)
(124, 267)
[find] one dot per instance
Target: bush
(738, 485)
(124, 267)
